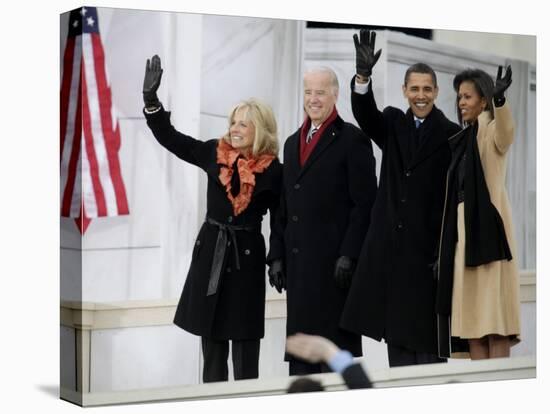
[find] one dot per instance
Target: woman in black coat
(224, 294)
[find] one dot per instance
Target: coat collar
(431, 129)
(329, 135)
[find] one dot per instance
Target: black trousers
(245, 355)
(399, 356)
(297, 367)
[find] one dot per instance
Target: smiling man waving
(393, 289)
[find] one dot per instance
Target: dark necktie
(416, 137)
(310, 135)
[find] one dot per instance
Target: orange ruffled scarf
(226, 156)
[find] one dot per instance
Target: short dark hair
(304, 384)
(483, 84)
(421, 68)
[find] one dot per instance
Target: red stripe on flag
(73, 161)
(90, 150)
(116, 175)
(112, 138)
(66, 87)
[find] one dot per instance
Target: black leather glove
(501, 84)
(151, 82)
(365, 58)
(343, 271)
(276, 274)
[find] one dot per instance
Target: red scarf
(226, 156)
(307, 149)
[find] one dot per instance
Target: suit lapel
(328, 137)
(292, 157)
(403, 141)
(213, 168)
(263, 180)
(431, 141)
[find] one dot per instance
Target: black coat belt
(224, 232)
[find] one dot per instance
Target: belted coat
(236, 310)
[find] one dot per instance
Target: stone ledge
(128, 314)
(433, 374)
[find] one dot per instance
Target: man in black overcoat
(393, 289)
(329, 186)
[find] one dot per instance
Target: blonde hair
(261, 116)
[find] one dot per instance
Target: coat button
(198, 243)
(296, 186)
(295, 250)
(294, 218)
(408, 173)
(399, 226)
(247, 252)
(228, 243)
(228, 270)
(230, 219)
(403, 200)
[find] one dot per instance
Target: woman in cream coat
(478, 281)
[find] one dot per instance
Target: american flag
(91, 180)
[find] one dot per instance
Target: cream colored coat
(486, 298)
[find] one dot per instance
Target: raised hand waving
(501, 84)
(365, 58)
(151, 82)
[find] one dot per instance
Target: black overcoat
(324, 214)
(393, 289)
(236, 310)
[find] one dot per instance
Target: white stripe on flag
(98, 137)
(88, 197)
(77, 191)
